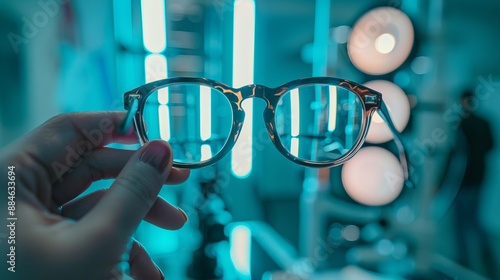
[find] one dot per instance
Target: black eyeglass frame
(371, 100)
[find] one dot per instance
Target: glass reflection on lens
(195, 119)
(319, 122)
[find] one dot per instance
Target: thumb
(132, 194)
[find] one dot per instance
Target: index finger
(60, 142)
(131, 195)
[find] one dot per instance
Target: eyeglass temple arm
(384, 113)
(133, 105)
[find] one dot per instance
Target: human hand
(60, 237)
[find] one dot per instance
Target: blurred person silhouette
(59, 234)
(475, 140)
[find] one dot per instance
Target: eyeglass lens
(195, 119)
(318, 123)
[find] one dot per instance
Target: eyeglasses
(314, 122)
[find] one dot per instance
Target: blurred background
(277, 220)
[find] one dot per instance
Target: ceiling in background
(468, 44)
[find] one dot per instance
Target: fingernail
(184, 214)
(156, 154)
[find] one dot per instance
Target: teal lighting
(321, 33)
(155, 69)
(243, 70)
(122, 15)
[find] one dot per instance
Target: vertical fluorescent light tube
(206, 152)
(153, 25)
(295, 119)
(205, 113)
(240, 249)
(205, 121)
(156, 68)
(294, 146)
(332, 110)
(295, 112)
(243, 65)
(164, 122)
(154, 36)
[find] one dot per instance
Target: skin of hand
(62, 236)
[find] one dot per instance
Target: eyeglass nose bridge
(270, 96)
(262, 92)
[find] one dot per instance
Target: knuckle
(94, 167)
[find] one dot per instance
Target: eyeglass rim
(371, 101)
